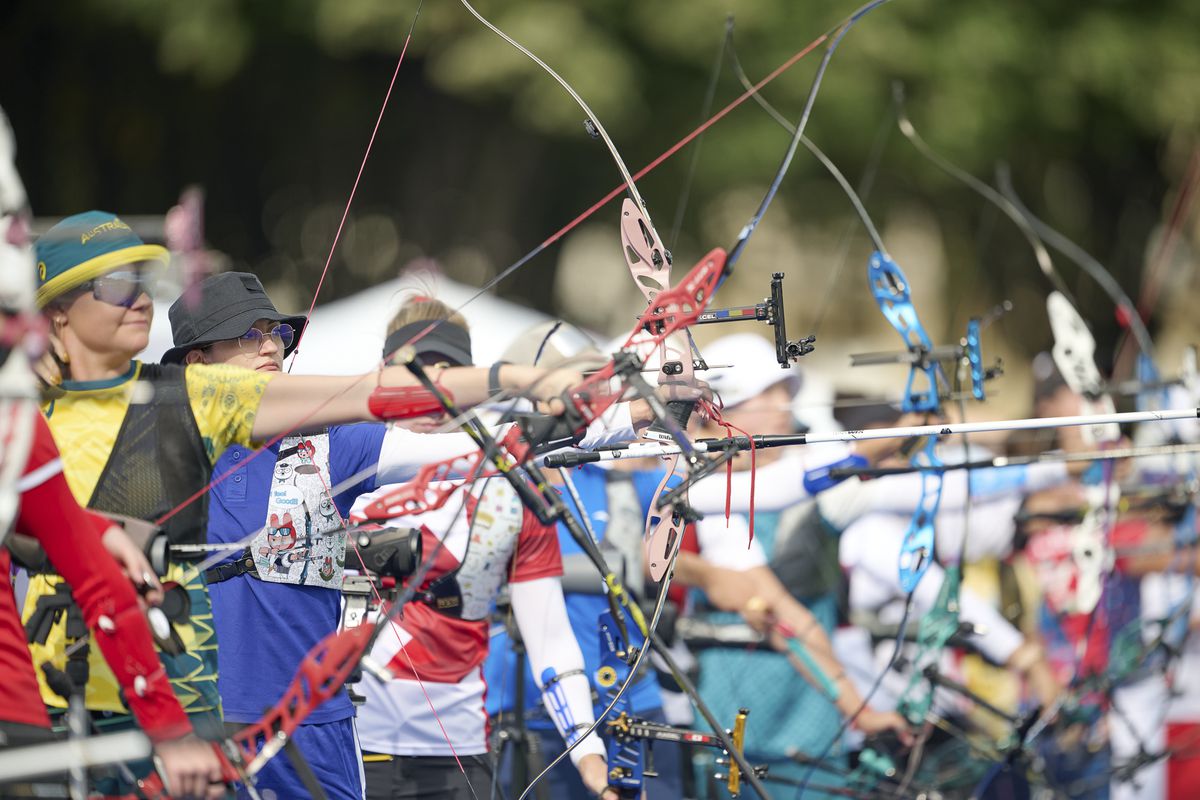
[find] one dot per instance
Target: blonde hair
(423, 308)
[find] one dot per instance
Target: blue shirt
(264, 630)
(584, 610)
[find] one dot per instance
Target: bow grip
(680, 411)
(153, 787)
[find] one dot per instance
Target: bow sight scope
(387, 552)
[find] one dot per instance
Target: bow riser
(626, 756)
(1074, 354)
(890, 288)
(671, 311)
(321, 675)
(922, 394)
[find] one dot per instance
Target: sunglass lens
(123, 288)
(285, 333)
(117, 291)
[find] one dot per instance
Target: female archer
(424, 732)
(119, 421)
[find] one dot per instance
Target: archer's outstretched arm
(299, 402)
(742, 582)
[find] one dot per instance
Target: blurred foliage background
(119, 104)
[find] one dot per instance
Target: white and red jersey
(437, 658)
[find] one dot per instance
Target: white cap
(753, 371)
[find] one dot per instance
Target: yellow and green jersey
(86, 420)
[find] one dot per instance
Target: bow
(648, 262)
(326, 668)
(1073, 353)
(325, 660)
(621, 661)
(924, 389)
(1130, 652)
(628, 736)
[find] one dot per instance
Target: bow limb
(1044, 262)
(1103, 278)
(835, 39)
(591, 117)
(817, 153)
(649, 263)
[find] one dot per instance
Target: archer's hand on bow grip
(154, 785)
(671, 311)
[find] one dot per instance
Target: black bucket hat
(222, 307)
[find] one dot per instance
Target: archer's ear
(195, 357)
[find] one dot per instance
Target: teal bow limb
(936, 629)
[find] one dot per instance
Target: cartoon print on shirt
(281, 541)
(328, 510)
(300, 491)
(284, 473)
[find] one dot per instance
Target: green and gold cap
(86, 246)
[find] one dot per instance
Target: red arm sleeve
(71, 538)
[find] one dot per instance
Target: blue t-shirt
(583, 610)
(264, 630)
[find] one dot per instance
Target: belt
(244, 565)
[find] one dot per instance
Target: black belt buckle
(224, 572)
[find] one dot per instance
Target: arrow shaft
(654, 449)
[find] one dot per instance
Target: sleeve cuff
(591, 744)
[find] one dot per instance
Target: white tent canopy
(345, 337)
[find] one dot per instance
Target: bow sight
(770, 311)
